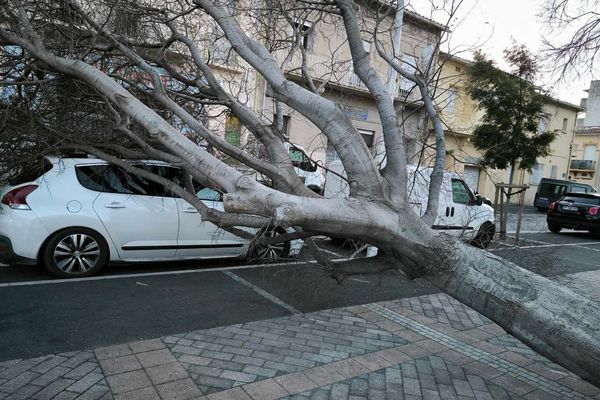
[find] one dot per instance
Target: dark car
(580, 211)
(550, 190)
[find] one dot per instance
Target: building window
(367, 136)
(565, 124)
(303, 30)
(589, 152)
(451, 103)
(221, 51)
(286, 125)
(409, 64)
(554, 171)
(127, 19)
(543, 126)
(537, 173)
(233, 130)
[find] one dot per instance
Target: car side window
(208, 194)
(102, 178)
(578, 189)
(460, 193)
(113, 179)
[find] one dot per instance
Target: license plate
(570, 208)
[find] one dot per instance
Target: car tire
(554, 228)
(595, 233)
(270, 253)
(484, 236)
(75, 252)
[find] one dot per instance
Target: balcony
(340, 73)
(583, 165)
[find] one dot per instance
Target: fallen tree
(70, 40)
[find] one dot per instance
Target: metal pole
(502, 226)
(520, 217)
(496, 199)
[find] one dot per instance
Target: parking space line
(588, 248)
(145, 274)
(533, 240)
(541, 246)
(263, 293)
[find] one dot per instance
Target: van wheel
(554, 228)
(75, 252)
(541, 209)
(484, 236)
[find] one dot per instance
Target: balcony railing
(583, 165)
(339, 72)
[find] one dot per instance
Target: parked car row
(550, 190)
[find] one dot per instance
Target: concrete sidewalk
(427, 347)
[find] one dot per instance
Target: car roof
(579, 194)
(93, 161)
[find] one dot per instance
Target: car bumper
(572, 223)
(8, 256)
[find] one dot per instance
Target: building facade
(460, 115)
(585, 157)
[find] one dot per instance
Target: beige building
(329, 63)
(460, 116)
(585, 154)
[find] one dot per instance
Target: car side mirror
(478, 200)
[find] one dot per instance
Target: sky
(492, 26)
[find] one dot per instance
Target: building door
(472, 177)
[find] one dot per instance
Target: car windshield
(582, 200)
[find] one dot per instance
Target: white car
(82, 213)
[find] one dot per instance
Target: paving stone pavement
(74, 375)
(427, 347)
(222, 358)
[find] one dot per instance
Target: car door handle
(447, 211)
(452, 212)
(114, 204)
(190, 210)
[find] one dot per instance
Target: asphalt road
(41, 315)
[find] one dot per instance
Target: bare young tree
(124, 65)
(576, 26)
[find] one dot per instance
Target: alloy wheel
(76, 253)
(270, 251)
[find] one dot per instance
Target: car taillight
(552, 205)
(593, 210)
(16, 198)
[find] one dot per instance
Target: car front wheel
(75, 252)
(484, 236)
(262, 252)
(554, 228)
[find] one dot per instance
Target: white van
(461, 213)
(307, 170)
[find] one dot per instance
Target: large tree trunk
(553, 320)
